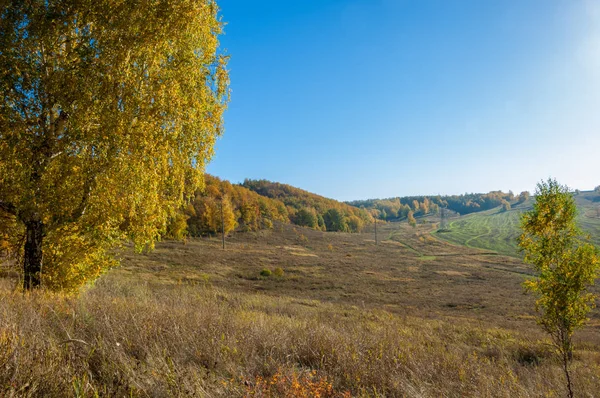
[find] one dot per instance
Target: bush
(305, 385)
(278, 272)
(265, 272)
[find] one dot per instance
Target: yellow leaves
(566, 264)
(139, 91)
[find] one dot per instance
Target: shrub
(265, 272)
(278, 272)
(306, 385)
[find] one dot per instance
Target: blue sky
(355, 99)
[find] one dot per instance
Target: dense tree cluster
(256, 205)
(314, 211)
(399, 208)
(224, 205)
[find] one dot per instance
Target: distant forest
(401, 207)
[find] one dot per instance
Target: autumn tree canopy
(330, 214)
(109, 112)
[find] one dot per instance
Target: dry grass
(125, 338)
(196, 321)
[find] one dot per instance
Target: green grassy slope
(498, 231)
(589, 214)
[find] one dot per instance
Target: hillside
(312, 210)
(398, 207)
(589, 214)
(497, 229)
(243, 210)
(257, 205)
(485, 221)
(284, 310)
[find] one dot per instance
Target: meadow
(411, 316)
(111, 113)
(497, 230)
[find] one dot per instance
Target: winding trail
(468, 241)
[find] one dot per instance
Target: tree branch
(81, 207)
(87, 190)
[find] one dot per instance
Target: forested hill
(256, 205)
(395, 208)
(224, 205)
(308, 209)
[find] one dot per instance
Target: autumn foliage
(309, 385)
(399, 207)
(110, 112)
(256, 205)
(315, 211)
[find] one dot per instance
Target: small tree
(415, 205)
(411, 219)
(425, 206)
(306, 217)
(355, 224)
(321, 222)
(223, 216)
(335, 220)
(566, 265)
(523, 196)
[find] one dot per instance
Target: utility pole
(376, 242)
(222, 224)
(443, 220)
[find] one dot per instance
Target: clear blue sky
(355, 99)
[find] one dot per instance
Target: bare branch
(56, 154)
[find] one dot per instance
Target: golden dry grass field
(412, 316)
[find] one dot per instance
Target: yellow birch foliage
(110, 109)
(566, 263)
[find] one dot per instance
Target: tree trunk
(567, 374)
(32, 262)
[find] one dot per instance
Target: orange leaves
(307, 385)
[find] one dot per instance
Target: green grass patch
(498, 230)
(427, 258)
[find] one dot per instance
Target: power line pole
(376, 241)
(443, 220)
(222, 224)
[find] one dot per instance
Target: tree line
(311, 210)
(258, 204)
(399, 208)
